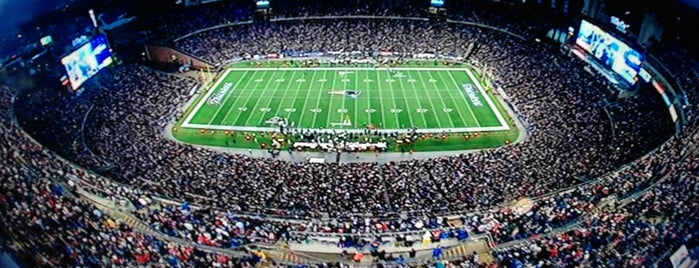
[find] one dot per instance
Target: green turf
(429, 97)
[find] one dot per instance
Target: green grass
(432, 98)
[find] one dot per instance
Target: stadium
(349, 134)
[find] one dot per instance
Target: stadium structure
(360, 133)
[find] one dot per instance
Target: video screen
(87, 61)
(437, 3)
(613, 53)
(262, 4)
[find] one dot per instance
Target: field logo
(218, 97)
(275, 121)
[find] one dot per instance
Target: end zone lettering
(218, 97)
(471, 93)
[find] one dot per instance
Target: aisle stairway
(467, 250)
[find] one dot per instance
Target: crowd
(578, 134)
(47, 225)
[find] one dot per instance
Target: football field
(353, 99)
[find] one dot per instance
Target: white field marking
(465, 99)
(225, 99)
(239, 96)
(354, 130)
(407, 105)
(330, 104)
(383, 113)
(424, 119)
(292, 108)
(277, 106)
(355, 119)
(315, 114)
(305, 101)
(344, 96)
(205, 98)
(456, 105)
(368, 95)
(268, 110)
(300, 97)
(429, 99)
(502, 121)
(251, 109)
(322, 80)
(346, 69)
(254, 107)
(395, 110)
(444, 104)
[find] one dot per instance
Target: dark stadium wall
(164, 54)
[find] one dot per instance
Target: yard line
(344, 97)
(250, 109)
(368, 96)
(259, 99)
(485, 95)
(275, 111)
(405, 100)
(305, 102)
(424, 120)
(330, 103)
(473, 114)
(427, 92)
(468, 105)
(315, 115)
(393, 98)
(254, 107)
(225, 100)
(383, 114)
(296, 94)
(233, 108)
(444, 105)
(355, 119)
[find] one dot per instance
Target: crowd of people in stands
(578, 135)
